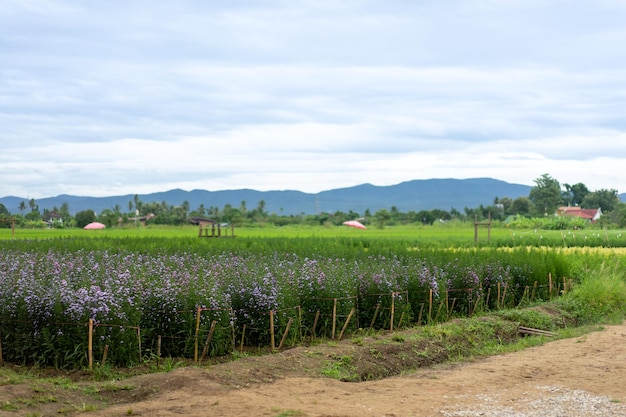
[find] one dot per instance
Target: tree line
(545, 197)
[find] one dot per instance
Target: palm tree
(22, 207)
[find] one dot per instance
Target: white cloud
(117, 97)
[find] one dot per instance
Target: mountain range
(415, 195)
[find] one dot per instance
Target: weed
(342, 368)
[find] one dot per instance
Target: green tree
(521, 205)
(574, 194)
(607, 200)
(545, 196)
(381, 217)
(22, 207)
(83, 218)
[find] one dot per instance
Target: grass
(452, 234)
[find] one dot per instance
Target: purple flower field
(47, 298)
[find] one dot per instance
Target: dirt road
(583, 376)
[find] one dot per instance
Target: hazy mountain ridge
(415, 195)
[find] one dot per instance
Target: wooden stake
(300, 322)
(475, 306)
(139, 341)
(498, 303)
(451, 308)
(334, 318)
(90, 344)
(317, 317)
(195, 345)
(345, 325)
(439, 309)
(534, 291)
(375, 314)
(393, 308)
(550, 285)
(524, 295)
(158, 350)
(1, 360)
(243, 336)
(208, 340)
(104, 355)
(273, 342)
(504, 294)
(282, 341)
(430, 306)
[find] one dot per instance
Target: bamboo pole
(504, 295)
(90, 344)
(195, 345)
(158, 349)
(534, 294)
(139, 341)
(375, 314)
(243, 336)
(345, 325)
(300, 322)
(317, 317)
(475, 306)
(451, 308)
(272, 341)
(550, 285)
(282, 341)
(104, 355)
(401, 318)
(205, 350)
(439, 309)
(524, 295)
(499, 290)
(430, 306)
(334, 318)
(393, 308)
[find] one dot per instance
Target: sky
(104, 98)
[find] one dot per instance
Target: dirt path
(584, 376)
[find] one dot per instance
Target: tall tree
(545, 196)
(607, 200)
(574, 194)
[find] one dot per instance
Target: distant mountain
(415, 195)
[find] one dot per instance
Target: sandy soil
(583, 376)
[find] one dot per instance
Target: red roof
(588, 214)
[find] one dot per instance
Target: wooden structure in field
(210, 228)
(487, 223)
(12, 221)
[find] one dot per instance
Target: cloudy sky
(101, 98)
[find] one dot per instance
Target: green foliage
(607, 200)
(600, 296)
(83, 218)
(545, 196)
